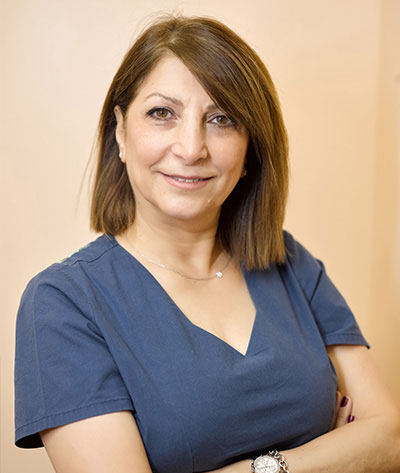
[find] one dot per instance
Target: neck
(189, 248)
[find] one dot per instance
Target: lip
(194, 185)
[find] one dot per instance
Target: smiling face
(183, 154)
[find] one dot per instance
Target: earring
(120, 155)
(244, 173)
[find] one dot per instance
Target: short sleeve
(64, 371)
(334, 318)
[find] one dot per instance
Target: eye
(223, 121)
(160, 113)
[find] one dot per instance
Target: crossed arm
(112, 442)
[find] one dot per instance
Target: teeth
(180, 179)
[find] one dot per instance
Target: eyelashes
(160, 113)
(224, 121)
(163, 114)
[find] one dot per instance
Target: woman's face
(183, 154)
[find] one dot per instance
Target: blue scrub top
(97, 333)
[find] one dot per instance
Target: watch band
(265, 466)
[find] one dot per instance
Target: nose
(190, 142)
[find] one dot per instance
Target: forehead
(171, 77)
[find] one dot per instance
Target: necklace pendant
(219, 274)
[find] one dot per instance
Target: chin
(189, 213)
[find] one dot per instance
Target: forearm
(365, 446)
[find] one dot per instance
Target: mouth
(187, 182)
(180, 178)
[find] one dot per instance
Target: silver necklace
(218, 274)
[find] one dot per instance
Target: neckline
(187, 320)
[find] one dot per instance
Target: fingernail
(350, 419)
(344, 401)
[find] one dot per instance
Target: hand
(343, 411)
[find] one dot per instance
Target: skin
(176, 224)
(173, 128)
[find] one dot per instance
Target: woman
(195, 334)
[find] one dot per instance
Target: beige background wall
(336, 65)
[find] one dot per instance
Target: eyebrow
(175, 101)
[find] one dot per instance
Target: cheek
(232, 156)
(145, 149)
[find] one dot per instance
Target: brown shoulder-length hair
(233, 75)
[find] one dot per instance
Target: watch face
(266, 464)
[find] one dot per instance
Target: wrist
(272, 462)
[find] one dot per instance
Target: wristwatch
(265, 464)
(273, 462)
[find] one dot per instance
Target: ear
(120, 131)
(244, 170)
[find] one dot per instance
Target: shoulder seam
(63, 264)
(291, 254)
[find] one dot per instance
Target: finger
(337, 406)
(345, 410)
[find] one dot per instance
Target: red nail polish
(350, 419)
(344, 401)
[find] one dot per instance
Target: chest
(222, 307)
(199, 401)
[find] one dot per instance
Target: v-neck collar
(186, 319)
(207, 332)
